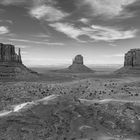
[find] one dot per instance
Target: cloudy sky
(54, 31)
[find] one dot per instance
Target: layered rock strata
(11, 66)
(131, 63)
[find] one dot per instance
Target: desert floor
(71, 107)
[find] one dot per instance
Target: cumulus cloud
(108, 8)
(3, 30)
(49, 13)
(94, 32)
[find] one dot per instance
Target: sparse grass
(63, 118)
(94, 88)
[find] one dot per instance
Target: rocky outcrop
(8, 54)
(131, 62)
(11, 66)
(132, 58)
(78, 65)
(78, 60)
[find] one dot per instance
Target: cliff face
(131, 63)
(8, 54)
(11, 66)
(78, 60)
(132, 58)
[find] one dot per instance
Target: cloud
(94, 32)
(108, 33)
(41, 35)
(114, 55)
(12, 2)
(84, 20)
(48, 13)
(3, 30)
(40, 9)
(36, 42)
(108, 8)
(6, 21)
(22, 46)
(67, 29)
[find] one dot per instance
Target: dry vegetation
(94, 88)
(67, 117)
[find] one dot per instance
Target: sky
(53, 32)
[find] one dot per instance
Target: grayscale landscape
(69, 70)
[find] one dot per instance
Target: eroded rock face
(78, 60)
(8, 54)
(11, 66)
(132, 58)
(131, 63)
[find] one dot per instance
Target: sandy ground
(105, 87)
(104, 106)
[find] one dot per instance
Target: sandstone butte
(131, 62)
(11, 66)
(76, 67)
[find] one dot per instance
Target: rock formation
(11, 66)
(7, 54)
(77, 66)
(132, 58)
(131, 62)
(78, 60)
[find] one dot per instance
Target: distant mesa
(131, 62)
(11, 66)
(77, 66)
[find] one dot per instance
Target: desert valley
(75, 103)
(69, 69)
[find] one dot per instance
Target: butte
(131, 63)
(77, 66)
(11, 66)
